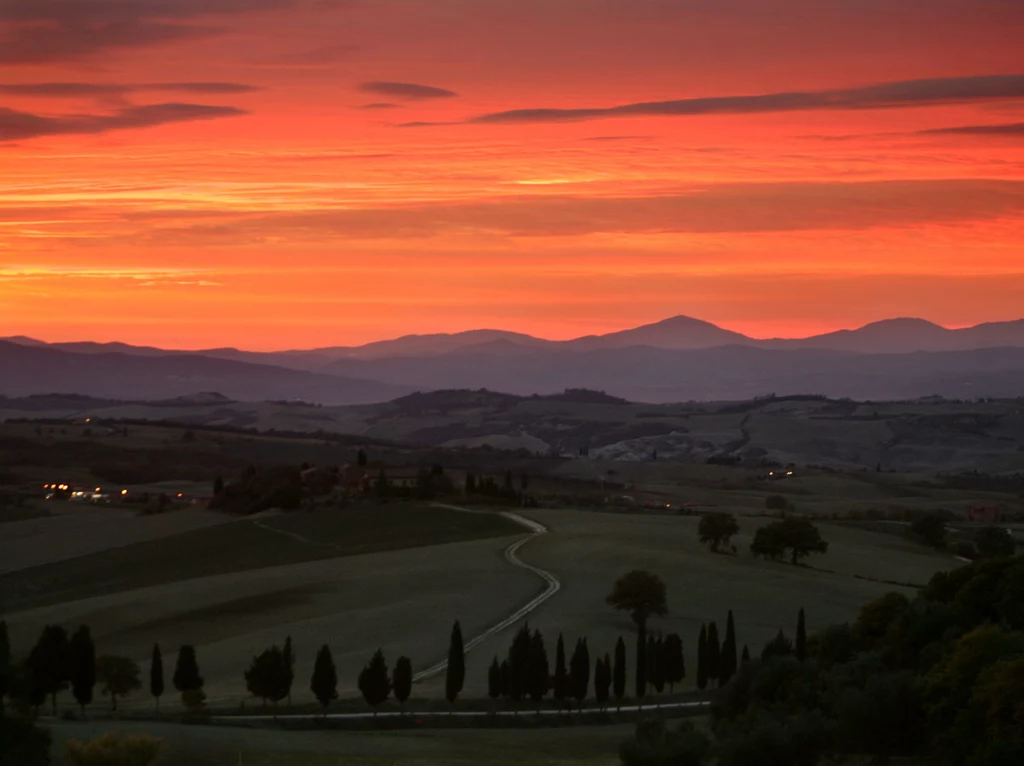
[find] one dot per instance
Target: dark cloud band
(15, 125)
(406, 90)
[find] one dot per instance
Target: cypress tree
(675, 662)
(727, 667)
(658, 665)
(746, 655)
(402, 680)
(702, 659)
(619, 676)
(519, 664)
(186, 671)
(156, 675)
(641, 665)
(713, 656)
(579, 670)
(324, 683)
(506, 682)
(288, 670)
(83, 667)
(560, 681)
(374, 681)
(801, 637)
(455, 677)
(540, 676)
(5, 665)
(494, 683)
(602, 681)
(49, 663)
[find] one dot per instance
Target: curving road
(551, 586)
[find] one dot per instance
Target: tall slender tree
(494, 683)
(506, 682)
(702, 658)
(619, 675)
(560, 680)
(519, 664)
(727, 664)
(374, 681)
(324, 683)
(288, 668)
(602, 681)
(801, 636)
(49, 664)
(83, 667)
(402, 680)
(186, 677)
(455, 675)
(746, 655)
(713, 656)
(658, 670)
(540, 675)
(675, 661)
(156, 675)
(6, 668)
(641, 665)
(579, 670)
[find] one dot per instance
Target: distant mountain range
(676, 359)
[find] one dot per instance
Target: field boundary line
(551, 586)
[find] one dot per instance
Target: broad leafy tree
(266, 678)
(375, 682)
(641, 594)
(716, 530)
(118, 677)
(793, 538)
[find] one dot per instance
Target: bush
(930, 529)
(654, 745)
(114, 750)
(995, 541)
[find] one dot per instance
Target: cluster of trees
(59, 662)
(791, 538)
(938, 675)
(988, 542)
(259, 489)
(271, 673)
(489, 487)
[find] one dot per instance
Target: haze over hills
(676, 359)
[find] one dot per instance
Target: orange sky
(197, 173)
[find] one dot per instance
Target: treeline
(937, 676)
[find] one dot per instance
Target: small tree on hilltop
(716, 530)
(619, 674)
(402, 679)
(640, 593)
(374, 681)
(324, 683)
(119, 677)
(156, 675)
(83, 667)
(455, 676)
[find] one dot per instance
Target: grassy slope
(241, 546)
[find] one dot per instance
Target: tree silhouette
(324, 683)
(798, 536)
(156, 675)
(727, 662)
(361, 458)
(675, 662)
(713, 654)
(494, 690)
(83, 667)
(374, 682)
(801, 637)
(49, 663)
(540, 676)
(266, 677)
(619, 675)
(717, 529)
(602, 681)
(579, 672)
(780, 646)
(455, 676)
(119, 676)
(656, 664)
(6, 670)
(702, 658)
(746, 655)
(519, 664)
(560, 680)
(641, 666)
(186, 672)
(288, 670)
(640, 593)
(402, 680)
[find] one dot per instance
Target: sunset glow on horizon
(272, 174)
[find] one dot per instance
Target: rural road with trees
(551, 587)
